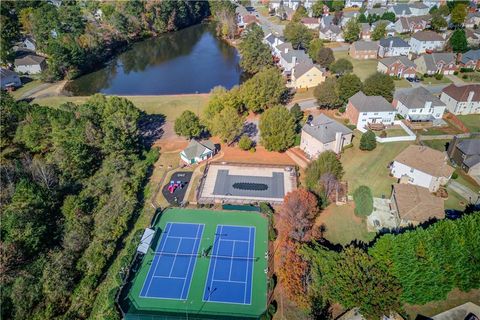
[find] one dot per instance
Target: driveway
(465, 192)
(456, 80)
(305, 104)
(269, 26)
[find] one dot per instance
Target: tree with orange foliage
(293, 273)
(297, 215)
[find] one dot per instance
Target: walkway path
(465, 192)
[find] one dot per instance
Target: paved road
(269, 26)
(465, 192)
(305, 104)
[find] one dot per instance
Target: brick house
(397, 67)
(470, 59)
(363, 110)
(363, 50)
(439, 62)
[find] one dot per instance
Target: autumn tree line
(412, 266)
(72, 179)
(77, 36)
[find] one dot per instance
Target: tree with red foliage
(297, 215)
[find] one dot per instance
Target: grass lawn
(402, 83)
(343, 226)
(440, 145)
(26, 87)
(171, 106)
(433, 81)
(454, 201)
(471, 121)
(393, 132)
(370, 168)
(303, 95)
(470, 76)
(362, 68)
(454, 298)
(467, 181)
(435, 131)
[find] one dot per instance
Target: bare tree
(41, 172)
(329, 184)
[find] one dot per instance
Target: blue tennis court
(172, 267)
(231, 265)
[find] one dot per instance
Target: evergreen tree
(368, 141)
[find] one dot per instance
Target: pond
(192, 60)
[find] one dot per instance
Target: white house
(353, 3)
(273, 42)
(418, 8)
(422, 166)
(393, 47)
(363, 110)
(332, 33)
(322, 134)
(30, 64)
(426, 41)
(198, 151)
(30, 44)
(9, 78)
(462, 99)
(347, 16)
(418, 105)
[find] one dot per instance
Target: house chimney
(338, 142)
(391, 44)
(470, 96)
(403, 12)
(294, 60)
(286, 50)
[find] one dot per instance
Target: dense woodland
(71, 181)
(78, 36)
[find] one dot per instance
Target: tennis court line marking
(195, 261)
(165, 277)
(190, 262)
(215, 263)
(155, 258)
(174, 258)
(248, 265)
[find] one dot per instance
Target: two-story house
(422, 166)
(306, 75)
(363, 50)
(331, 32)
(30, 64)
(289, 58)
(436, 63)
(363, 110)
(462, 99)
(466, 154)
(400, 67)
(393, 47)
(470, 59)
(418, 105)
(412, 24)
(426, 41)
(322, 134)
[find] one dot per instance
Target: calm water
(188, 61)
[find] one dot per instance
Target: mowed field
(171, 106)
(362, 68)
(471, 121)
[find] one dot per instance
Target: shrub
(368, 141)
(464, 76)
(383, 134)
(455, 72)
(466, 70)
(454, 175)
(245, 143)
(439, 76)
(342, 109)
(363, 199)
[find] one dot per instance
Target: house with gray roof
(390, 27)
(393, 47)
(306, 75)
(400, 67)
(9, 78)
(427, 41)
(289, 58)
(375, 11)
(363, 49)
(363, 110)
(412, 24)
(401, 10)
(438, 62)
(470, 59)
(419, 105)
(30, 64)
(347, 16)
(332, 33)
(326, 21)
(198, 151)
(322, 134)
(466, 154)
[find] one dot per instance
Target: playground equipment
(174, 185)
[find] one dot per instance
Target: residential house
(9, 78)
(347, 15)
(326, 21)
(372, 3)
(363, 110)
(322, 134)
(306, 75)
(365, 31)
(433, 3)
(462, 99)
(244, 20)
(470, 59)
(289, 58)
(422, 166)
(401, 10)
(30, 64)
(363, 50)
(332, 33)
(418, 105)
(465, 154)
(375, 11)
(412, 24)
(426, 41)
(273, 42)
(419, 9)
(390, 27)
(400, 67)
(472, 20)
(30, 44)
(198, 151)
(311, 23)
(473, 37)
(353, 3)
(466, 311)
(393, 47)
(413, 205)
(439, 62)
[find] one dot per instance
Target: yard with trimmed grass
(471, 121)
(17, 94)
(395, 131)
(343, 226)
(362, 68)
(433, 81)
(370, 168)
(440, 145)
(402, 83)
(171, 106)
(454, 201)
(469, 76)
